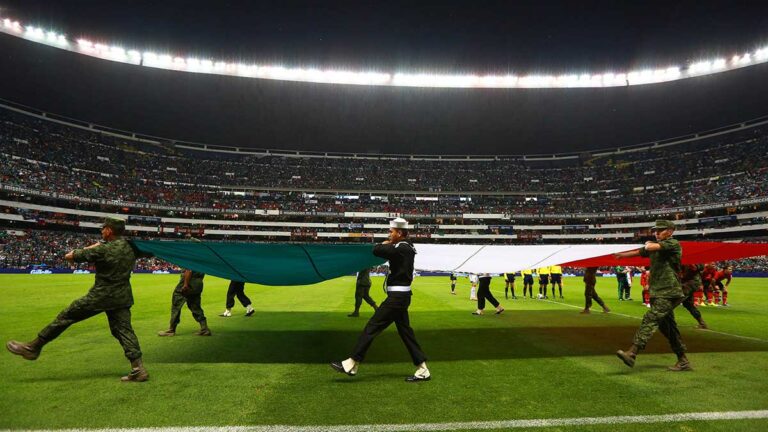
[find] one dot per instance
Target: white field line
(640, 318)
(501, 424)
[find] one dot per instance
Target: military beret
(662, 224)
(114, 223)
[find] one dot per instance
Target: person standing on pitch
(484, 293)
(509, 284)
(453, 283)
(666, 294)
(543, 273)
(400, 253)
(188, 290)
(114, 259)
(473, 289)
(527, 282)
(237, 289)
(590, 280)
(363, 291)
(621, 279)
(556, 277)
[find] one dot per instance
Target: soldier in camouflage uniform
(111, 293)
(666, 294)
(590, 280)
(188, 290)
(363, 291)
(691, 280)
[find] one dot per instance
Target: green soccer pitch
(537, 362)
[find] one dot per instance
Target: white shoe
(226, 313)
(421, 374)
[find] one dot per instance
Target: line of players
(713, 290)
(546, 275)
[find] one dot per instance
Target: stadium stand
(68, 175)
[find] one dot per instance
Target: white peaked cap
(398, 223)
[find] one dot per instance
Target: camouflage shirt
(364, 278)
(114, 262)
(665, 269)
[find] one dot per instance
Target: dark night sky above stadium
(448, 37)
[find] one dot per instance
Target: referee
(400, 253)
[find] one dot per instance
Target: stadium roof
(186, 59)
(525, 39)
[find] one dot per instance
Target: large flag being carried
(301, 264)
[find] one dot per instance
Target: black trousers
(237, 289)
(363, 292)
(483, 294)
(392, 310)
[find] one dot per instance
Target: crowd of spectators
(46, 156)
(25, 249)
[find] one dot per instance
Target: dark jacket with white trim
(400, 257)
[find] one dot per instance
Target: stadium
(260, 170)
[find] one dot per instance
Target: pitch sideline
(502, 424)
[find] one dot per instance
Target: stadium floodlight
(149, 57)
(701, 67)
(494, 81)
(193, 63)
(719, 64)
(85, 44)
(741, 60)
(672, 73)
(35, 33)
(536, 81)
(178, 63)
(761, 54)
(117, 52)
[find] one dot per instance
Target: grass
(537, 360)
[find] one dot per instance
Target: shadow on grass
(526, 334)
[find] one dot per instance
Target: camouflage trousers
(689, 289)
(193, 303)
(82, 309)
(661, 316)
(590, 294)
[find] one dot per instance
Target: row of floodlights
(333, 76)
